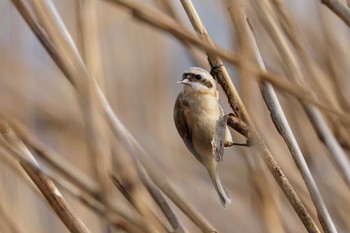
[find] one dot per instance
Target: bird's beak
(183, 81)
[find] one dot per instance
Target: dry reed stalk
(225, 81)
(314, 71)
(289, 26)
(264, 200)
(25, 11)
(339, 8)
(125, 221)
(55, 160)
(335, 62)
(273, 219)
(166, 24)
(124, 189)
(120, 131)
(163, 183)
(61, 207)
(215, 62)
(195, 54)
(154, 192)
(99, 148)
(75, 72)
(265, 13)
(104, 209)
(128, 184)
(282, 125)
(120, 219)
(173, 194)
(62, 39)
(92, 125)
(158, 197)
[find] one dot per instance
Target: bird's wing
(222, 113)
(182, 126)
(228, 136)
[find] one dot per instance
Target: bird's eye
(198, 76)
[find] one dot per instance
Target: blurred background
(138, 69)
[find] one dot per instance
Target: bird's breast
(202, 110)
(202, 114)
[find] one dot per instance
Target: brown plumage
(195, 114)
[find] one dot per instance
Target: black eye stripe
(185, 75)
(194, 78)
(206, 83)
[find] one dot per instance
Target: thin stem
(61, 207)
(120, 131)
(282, 125)
(104, 107)
(314, 71)
(165, 23)
(98, 146)
(50, 156)
(86, 87)
(163, 204)
(195, 54)
(256, 138)
(339, 8)
(295, 73)
(107, 210)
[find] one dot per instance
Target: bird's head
(196, 79)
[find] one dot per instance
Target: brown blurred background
(140, 68)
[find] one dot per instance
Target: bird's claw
(215, 69)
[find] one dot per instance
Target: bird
(196, 112)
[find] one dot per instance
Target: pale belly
(203, 134)
(202, 119)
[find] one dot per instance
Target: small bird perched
(196, 112)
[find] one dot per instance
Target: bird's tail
(224, 197)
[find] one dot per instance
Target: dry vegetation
(87, 138)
